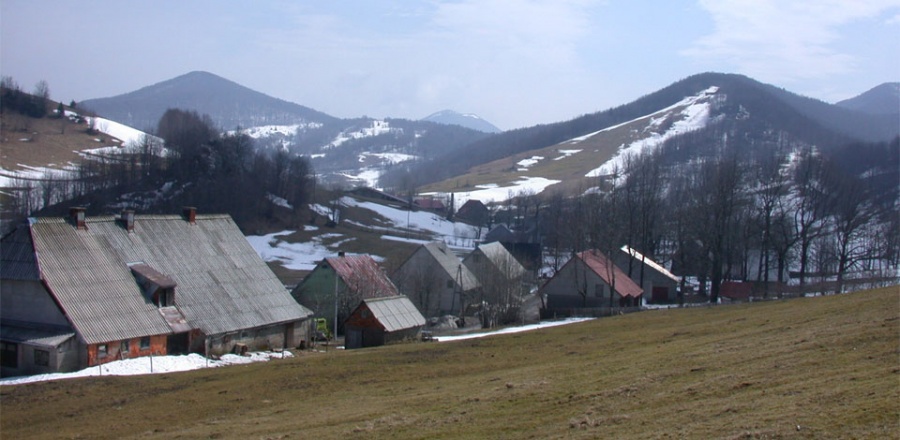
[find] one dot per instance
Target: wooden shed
(381, 320)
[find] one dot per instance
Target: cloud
(783, 40)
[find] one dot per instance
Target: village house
(436, 280)
(82, 291)
(590, 280)
(378, 321)
(660, 286)
(502, 281)
(352, 277)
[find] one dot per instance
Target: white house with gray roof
(436, 281)
(82, 291)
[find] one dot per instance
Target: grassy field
(805, 368)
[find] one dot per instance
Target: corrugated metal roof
(452, 265)
(395, 313)
(499, 257)
(34, 336)
(362, 274)
(17, 260)
(600, 264)
(222, 284)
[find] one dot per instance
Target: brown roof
(363, 274)
(600, 264)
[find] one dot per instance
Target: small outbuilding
(378, 321)
(660, 286)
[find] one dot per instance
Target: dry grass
(806, 368)
(46, 142)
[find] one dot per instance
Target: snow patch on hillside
(493, 192)
(376, 129)
(524, 164)
(693, 116)
(294, 256)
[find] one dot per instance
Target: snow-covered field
(496, 193)
(508, 330)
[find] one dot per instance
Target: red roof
(362, 274)
(600, 264)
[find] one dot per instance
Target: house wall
(42, 359)
(261, 338)
(115, 350)
(652, 277)
(29, 301)
(573, 278)
(425, 283)
(316, 292)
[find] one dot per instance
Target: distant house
(474, 212)
(524, 245)
(660, 285)
(371, 193)
(436, 280)
(735, 291)
(502, 281)
(83, 291)
(353, 277)
(591, 280)
(378, 321)
(431, 204)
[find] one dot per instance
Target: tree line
(736, 211)
(188, 162)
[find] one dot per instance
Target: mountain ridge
(468, 120)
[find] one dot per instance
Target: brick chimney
(190, 214)
(76, 214)
(128, 220)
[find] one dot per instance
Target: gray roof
(500, 258)
(17, 260)
(395, 313)
(222, 284)
(35, 336)
(452, 265)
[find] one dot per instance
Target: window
(41, 357)
(9, 354)
(102, 351)
(124, 348)
(145, 343)
(165, 298)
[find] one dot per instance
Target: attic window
(158, 288)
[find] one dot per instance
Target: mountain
(344, 152)
(751, 111)
(228, 104)
(880, 100)
(468, 120)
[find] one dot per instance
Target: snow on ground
(493, 192)
(567, 153)
(367, 176)
(694, 116)
(377, 128)
(400, 219)
(388, 158)
(524, 164)
(126, 134)
(508, 330)
(193, 361)
(151, 365)
(294, 256)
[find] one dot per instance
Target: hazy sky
(514, 62)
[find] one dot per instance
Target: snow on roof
(638, 256)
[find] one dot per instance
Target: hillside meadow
(806, 368)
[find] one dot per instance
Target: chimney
(341, 254)
(77, 216)
(128, 220)
(190, 214)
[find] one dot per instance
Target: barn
(80, 291)
(379, 321)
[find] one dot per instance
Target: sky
(515, 63)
